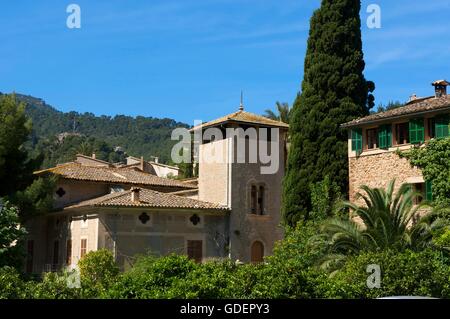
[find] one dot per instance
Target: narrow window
(194, 250)
(257, 252)
(83, 247)
(69, 252)
(432, 128)
(419, 188)
(55, 253)
(372, 136)
(402, 131)
(253, 199)
(30, 256)
(261, 200)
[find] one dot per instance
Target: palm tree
(384, 222)
(283, 113)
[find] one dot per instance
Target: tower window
(261, 200)
(257, 199)
(253, 199)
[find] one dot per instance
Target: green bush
(11, 284)
(217, 279)
(98, 271)
(407, 273)
(290, 272)
(55, 286)
(152, 277)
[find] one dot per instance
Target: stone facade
(378, 169)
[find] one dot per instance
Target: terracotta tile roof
(132, 176)
(89, 158)
(418, 106)
(149, 198)
(242, 117)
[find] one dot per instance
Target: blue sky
(190, 59)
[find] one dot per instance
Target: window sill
(376, 151)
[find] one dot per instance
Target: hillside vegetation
(60, 135)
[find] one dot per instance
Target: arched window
(257, 252)
(257, 199)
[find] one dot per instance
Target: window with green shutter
(428, 191)
(385, 136)
(357, 140)
(416, 131)
(442, 126)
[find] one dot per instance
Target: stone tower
(242, 160)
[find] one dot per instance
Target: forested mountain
(61, 135)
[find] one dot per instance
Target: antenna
(74, 125)
(241, 106)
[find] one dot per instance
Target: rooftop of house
(139, 197)
(416, 106)
(92, 159)
(242, 117)
(132, 176)
(137, 161)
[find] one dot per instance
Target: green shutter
(385, 136)
(428, 191)
(416, 131)
(442, 126)
(357, 140)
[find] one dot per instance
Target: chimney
(413, 97)
(135, 195)
(440, 88)
(142, 163)
(93, 155)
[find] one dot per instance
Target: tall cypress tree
(334, 91)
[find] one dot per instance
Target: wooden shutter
(428, 191)
(83, 247)
(195, 250)
(30, 255)
(416, 131)
(357, 140)
(385, 136)
(55, 252)
(442, 126)
(69, 252)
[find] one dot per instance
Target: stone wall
(166, 232)
(378, 169)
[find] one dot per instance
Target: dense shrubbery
(291, 272)
(425, 273)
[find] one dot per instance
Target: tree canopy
(15, 165)
(334, 91)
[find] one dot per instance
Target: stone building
(231, 211)
(373, 141)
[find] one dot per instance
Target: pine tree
(16, 167)
(334, 91)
